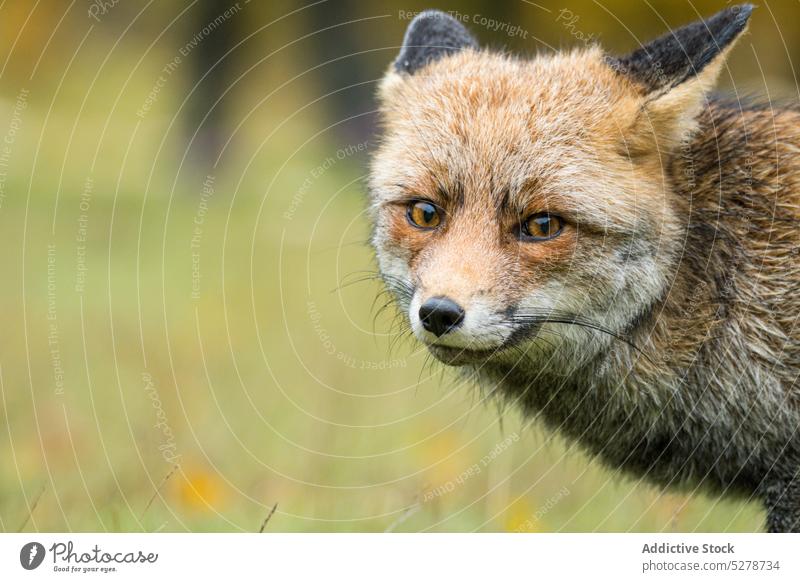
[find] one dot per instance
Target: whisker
(556, 317)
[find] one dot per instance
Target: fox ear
(685, 53)
(430, 36)
(676, 71)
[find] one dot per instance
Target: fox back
(605, 243)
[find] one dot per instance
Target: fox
(607, 244)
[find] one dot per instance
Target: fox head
(520, 204)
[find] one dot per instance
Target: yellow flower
(200, 489)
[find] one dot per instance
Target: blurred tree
(211, 76)
(337, 34)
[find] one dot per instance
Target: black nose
(440, 315)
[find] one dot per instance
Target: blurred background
(185, 342)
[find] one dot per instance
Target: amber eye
(542, 226)
(423, 214)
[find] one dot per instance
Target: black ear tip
(739, 14)
(427, 24)
(735, 17)
(431, 19)
(743, 10)
(430, 35)
(729, 23)
(431, 13)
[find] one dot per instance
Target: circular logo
(31, 555)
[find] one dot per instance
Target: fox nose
(440, 315)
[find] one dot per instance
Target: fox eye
(541, 226)
(424, 214)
